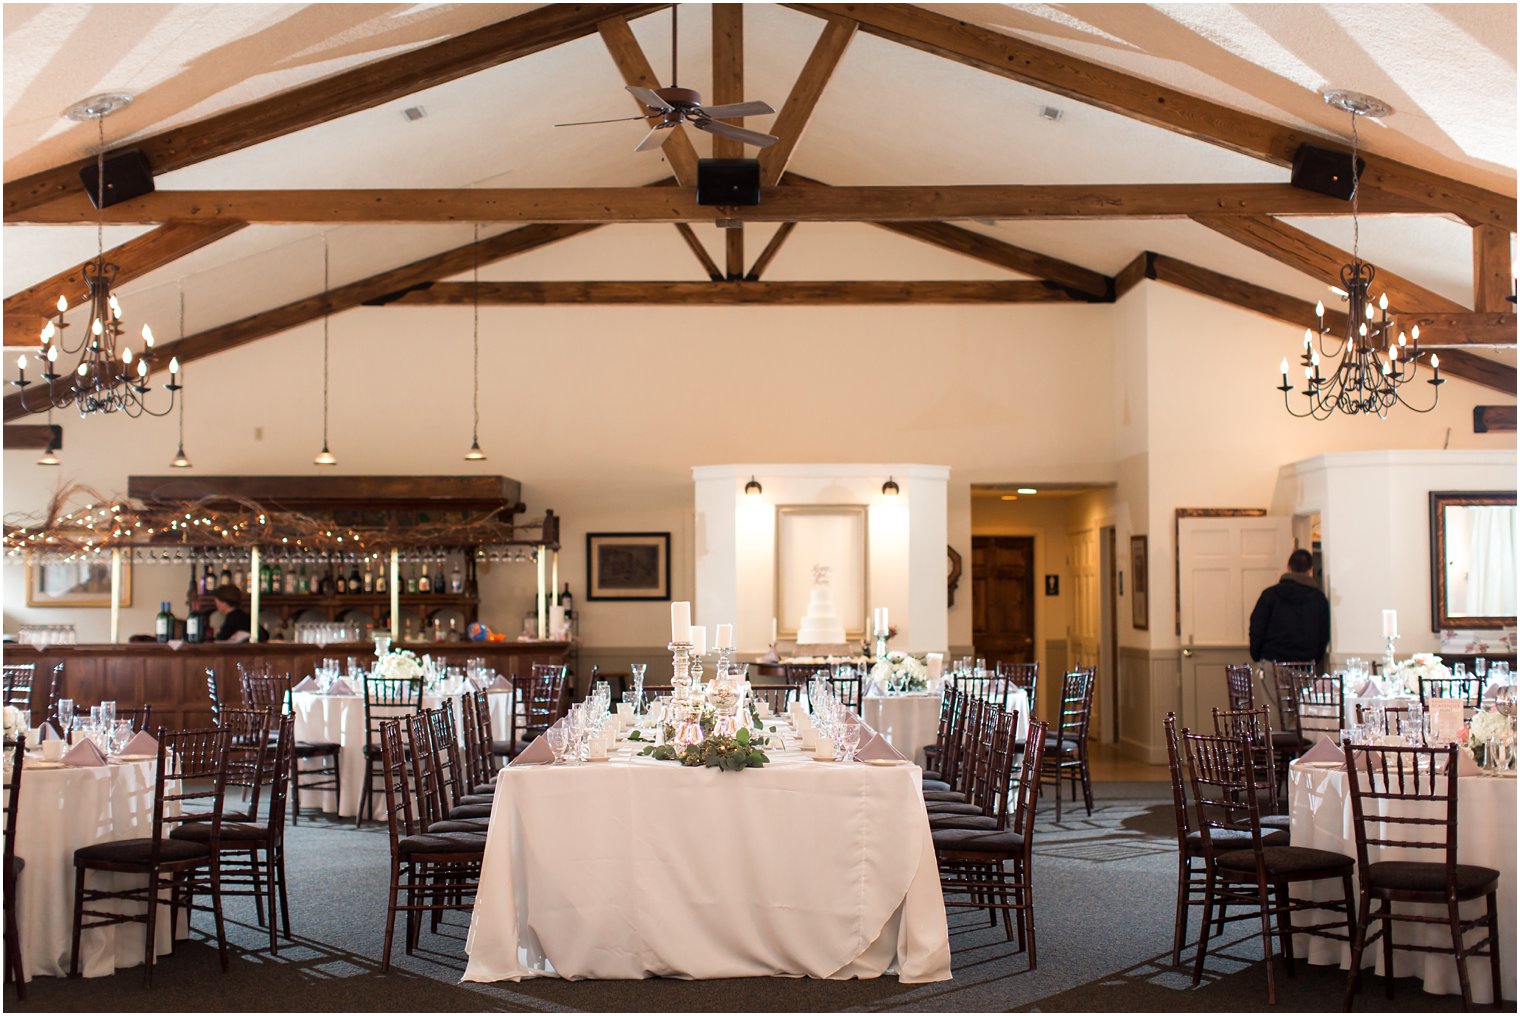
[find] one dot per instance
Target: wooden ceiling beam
(1492, 270)
(728, 86)
(772, 248)
(650, 204)
(375, 289)
(714, 273)
(804, 96)
(1498, 419)
(1320, 260)
(732, 293)
(1117, 92)
(33, 435)
(133, 259)
(680, 153)
(363, 87)
(1081, 282)
(1475, 328)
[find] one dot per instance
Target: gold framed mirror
(1473, 541)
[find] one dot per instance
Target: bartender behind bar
(235, 620)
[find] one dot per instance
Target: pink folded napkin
(1323, 751)
(535, 753)
(85, 753)
(308, 684)
(1363, 688)
(48, 732)
(142, 743)
(500, 684)
(341, 687)
(771, 656)
(1467, 765)
(878, 747)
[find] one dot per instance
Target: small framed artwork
(1139, 583)
(821, 545)
(76, 583)
(628, 566)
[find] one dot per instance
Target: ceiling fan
(673, 106)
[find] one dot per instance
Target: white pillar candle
(1390, 624)
(724, 637)
(774, 631)
(116, 595)
(680, 621)
(699, 639)
(253, 592)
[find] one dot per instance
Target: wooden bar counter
(174, 680)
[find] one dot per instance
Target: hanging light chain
(475, 364)
(326, 316)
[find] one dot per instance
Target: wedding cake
(820, 626)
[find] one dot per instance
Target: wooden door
(1002, 598)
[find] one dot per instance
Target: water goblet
(108, 712)
(558, 739)
(1349, 736)
(1412, 730)
(1480, 667)
(847, 740)
(121, 735)
(1459, 670)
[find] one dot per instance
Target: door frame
(1108, 632)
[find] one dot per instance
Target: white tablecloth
(910, 722)
(1320, 806)
(63, 809)
(636, 868)
(340, 719)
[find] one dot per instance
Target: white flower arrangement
(904, 672)
(12, 721)
(1491, 725)
(1406, 674)
(400, 664)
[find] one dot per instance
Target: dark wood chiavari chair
(431, 773)
(974, 795)
(141, 717)
(960, 753)
(457, 794)
(983, 684)
(1467, 688)
(802, 673)
(194, 762)
(1319, 701)
(13, 866)
(993, 869)
(479, 760)
(989, 787)
(849, 690)
(778, 696)
(935, 753)
(1228, 782)
(19, 678)
(436, 871)
(543, 703)
(1065, 755)
(1025, 676)
(1283, 677)
(1238, 681)
(262, 874)
(317, 764)
(384, 698)
(1405, 798)
(246, 768)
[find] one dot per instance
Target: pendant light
(475, 454)
(180, 461)
(324, 457)
(49, 456)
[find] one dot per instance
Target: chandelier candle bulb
(21, 366)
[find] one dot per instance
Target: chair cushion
(309, 749)
(947, 821)
(1236, 839)
(1287, 740)
(932, 774)
(936, 785)
(486, 798)
(501, 747)
(487, 789)
(140, 851)
(459, 825)
(952, 808)
(200, 832)
(1430, 877)
(978, 841)
(443, 843)
(470, 811)
(945, 795)
(1055, 742)
(1276, 822)
(1286, 863)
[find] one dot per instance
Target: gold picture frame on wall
(831, 537)
(83, 583)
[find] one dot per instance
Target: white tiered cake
(820, 626)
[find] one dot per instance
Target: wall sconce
(753, 488)
(890, 488)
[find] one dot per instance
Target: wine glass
(121, 735)
(108, 713)
(65, 716)
(558, 739)
(847, 739)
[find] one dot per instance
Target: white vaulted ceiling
(890, 115)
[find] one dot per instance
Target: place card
(1445, 719)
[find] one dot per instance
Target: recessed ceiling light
(1028, 490)
(1010, 497)
(414, 112)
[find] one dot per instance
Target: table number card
(1445, 719)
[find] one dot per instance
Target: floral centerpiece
(717, 751)
(399, 664)
(12, 722)
(901, 672)
(1491, 725)
(1405, 675)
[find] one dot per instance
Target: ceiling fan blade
(734, 109)
(648, 97)
(620, 119)
(724, 130)
(654, 139)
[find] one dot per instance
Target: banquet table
(1320, 808)
(339, 719)
(62, 809)
(910, 722)
(634, 868)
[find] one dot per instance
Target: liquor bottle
(440, 584)
(237, 577)
(325, 585)
(355, 583)
(340, 584)
(208, 580)
(406, 631)
(369, 578)
(566, 600)
(226, 579)
(163, 625)
(453, 629)
(292, 582)
(303, 584)
(456, 580)
(381, 581)
(263, 582)
(423, 583)
(276, 579)
(437, 629)
(194, 626)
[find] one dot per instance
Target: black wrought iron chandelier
(1373, 366)
(107, 377)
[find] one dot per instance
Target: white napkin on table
(1362, 689)
(1467, 765)
(142, 743)
(878, 747)
(341, 687)
(308, 684)
(535, 753)
(500, 684)
(48, 732)
(1323, 751)
(85, 753)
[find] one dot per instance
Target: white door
(1223, 565)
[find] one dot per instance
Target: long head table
(634, 868)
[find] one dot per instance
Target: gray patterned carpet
(1103, 889)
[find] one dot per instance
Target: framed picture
(1139, 583)
(821, 545)
(628, 566)
(76, 583)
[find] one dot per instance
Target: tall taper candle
(1390, 624)
(699, 640)
(723, 638)
(774, 631)
(680, 621)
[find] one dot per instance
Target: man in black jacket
(1291, 622)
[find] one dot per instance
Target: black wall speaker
(728, 181)
(128, 176)
(1325, 171)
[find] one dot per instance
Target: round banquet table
(1320, 807)
(339, 719)
(64, 808)
(910, 722)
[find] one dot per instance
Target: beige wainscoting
(1148, 689)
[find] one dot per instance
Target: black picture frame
(1139, 585)
(628, 566)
